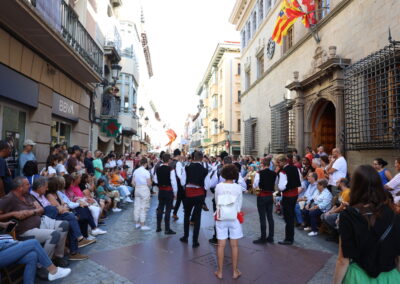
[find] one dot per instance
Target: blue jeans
(74, 230)
(85, 218)
(311, 217)
(299, 217)
(28, 252)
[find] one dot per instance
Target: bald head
(336, 153)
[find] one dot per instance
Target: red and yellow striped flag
(288, 15)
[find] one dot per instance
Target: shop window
(13, 127)
(60, 133)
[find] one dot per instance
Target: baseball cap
(29, 142)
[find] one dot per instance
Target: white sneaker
(307, 229)
(128, 199)
(137, 226)
(312, 234)
(61, 273)
(117, 210)
(145, 228)
(98, 231)
(91, 238)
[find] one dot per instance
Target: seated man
(304, 197)
(340, 203)
(20, 205)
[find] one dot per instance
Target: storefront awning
(104, 138)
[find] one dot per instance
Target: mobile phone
(11, 226)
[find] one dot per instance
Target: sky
(182, 36)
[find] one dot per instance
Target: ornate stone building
(335, 84)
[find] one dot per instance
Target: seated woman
(50, 169)
(75, 194)
(320, 203)
(231, 229)
(89, 192)
(31, 254)
(369, 247)
(76, 238)
(80, 208)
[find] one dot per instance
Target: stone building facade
(309, 91)
(219, 93)
(48, 75)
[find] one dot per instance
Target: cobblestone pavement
(121, 233)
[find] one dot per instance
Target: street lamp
(115, 69)
(146, 121)
(141, 111)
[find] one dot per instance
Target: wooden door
(324, 127)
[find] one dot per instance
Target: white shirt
(173, 181)
(50, 171)
(230, 189)
(112, 163)
(120, 163)
(282, 179)
(140, 176)
(394, 184)
(340, 165)
(60, 168)
(179, 169)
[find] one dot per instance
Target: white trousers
(142, 203)
(95, 211)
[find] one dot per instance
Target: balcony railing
(110, 106)
(113, 38)
(65, 21)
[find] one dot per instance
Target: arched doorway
(323, 123)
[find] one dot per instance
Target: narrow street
(126, 255)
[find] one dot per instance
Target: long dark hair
(367, 192)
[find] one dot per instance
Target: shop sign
(65, 107)
(208, 140)
(111, 127)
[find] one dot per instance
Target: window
(267, 6)
(254, 23)
(239, 94)
(260, 11)
(282, 127)
(215, 101)
(243, 37)
(238, 69)
(372, 101)
(60, 133)
(238, 125)
(248, 32)
(288, 40)
(247, 80)
(260, 64)
(250, 137)
(13, 127)
(220, 101)
(322, 8)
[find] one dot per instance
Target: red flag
(171, 136)
(309, 18)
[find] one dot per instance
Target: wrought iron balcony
(64, 20)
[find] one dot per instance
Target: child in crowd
(105, 196)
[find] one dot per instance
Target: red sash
(194, 191)
(166, 188)
(291, 192)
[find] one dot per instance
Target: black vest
(164, 175)
(267, 180)
(173, 165)
(195, 174)
(293, 178)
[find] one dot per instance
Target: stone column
(338, 95)
(299, 122)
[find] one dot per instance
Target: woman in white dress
(228, 197)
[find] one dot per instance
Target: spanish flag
(289, 13)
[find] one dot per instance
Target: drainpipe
(230, 113)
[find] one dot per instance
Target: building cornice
(233, 47)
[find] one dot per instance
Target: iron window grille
(372, 100)
(282, 127)
(250, 136)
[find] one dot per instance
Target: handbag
(240, 217)
(226, 208)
